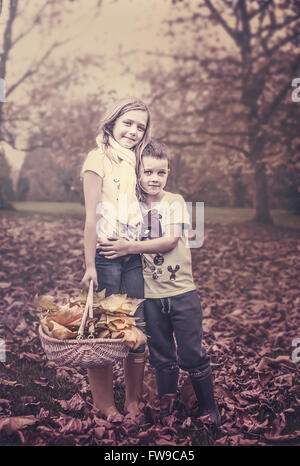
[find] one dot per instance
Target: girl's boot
(134, 375)
(204, 391)
(101, 383)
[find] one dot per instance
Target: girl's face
(129, 129)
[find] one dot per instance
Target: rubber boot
(101, 383)
(167, 381)
(204, 391)
(134, 374)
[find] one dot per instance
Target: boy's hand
(113, 248)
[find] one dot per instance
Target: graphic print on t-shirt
(173, 271)
(152, 229)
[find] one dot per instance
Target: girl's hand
(141, 339)
(113, 248)
(90, 274)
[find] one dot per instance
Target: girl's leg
(101, 383)
(101, 378)
(133, 285)
(134, 375)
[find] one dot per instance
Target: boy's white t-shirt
(119, 211)
(170, 273)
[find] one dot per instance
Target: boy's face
(153, 175)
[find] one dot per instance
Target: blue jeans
(123, 275)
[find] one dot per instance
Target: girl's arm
(92, 187)
(116, 248)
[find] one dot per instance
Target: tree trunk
(262, 209)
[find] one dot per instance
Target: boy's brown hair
(156, 149)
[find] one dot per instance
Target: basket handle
(87, 310)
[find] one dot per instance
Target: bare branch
(32, 70)
(31, 27)
(7, 37)
(183, 144)
(233, 34)
(260, 9)
(236, 148)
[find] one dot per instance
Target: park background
(218, 78)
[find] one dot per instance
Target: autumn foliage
(247, 276)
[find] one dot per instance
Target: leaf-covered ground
(248, 280)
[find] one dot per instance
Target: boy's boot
(204, 391)
(167, 381)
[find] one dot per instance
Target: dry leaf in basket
(120, 319)
(117, 334)
(55, 330)
(131, 335)
(113, 302)
(100, 326)
(104, 334)
(130, 305)
(70, 317)
(98, 297)
(117, 326)
(46, 302)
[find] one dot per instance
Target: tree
(247, 53)
(69, 130)
(20, 22)
(6, 190)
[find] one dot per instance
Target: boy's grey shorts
(180, 317)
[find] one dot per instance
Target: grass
(70, 209)
(236, 215)
(27, 397)
(26, 373)
(281, 218)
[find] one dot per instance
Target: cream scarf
(126, 180)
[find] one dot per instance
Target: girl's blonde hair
(114, 111)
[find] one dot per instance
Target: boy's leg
(101, 378)
(133, 285)
(162, 349)
(186, 317)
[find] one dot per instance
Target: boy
(172, 306)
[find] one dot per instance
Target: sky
(131, 26)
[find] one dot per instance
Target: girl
(112, 210)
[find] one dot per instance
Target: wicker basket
(83, 352)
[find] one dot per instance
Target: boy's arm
(117, 248)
